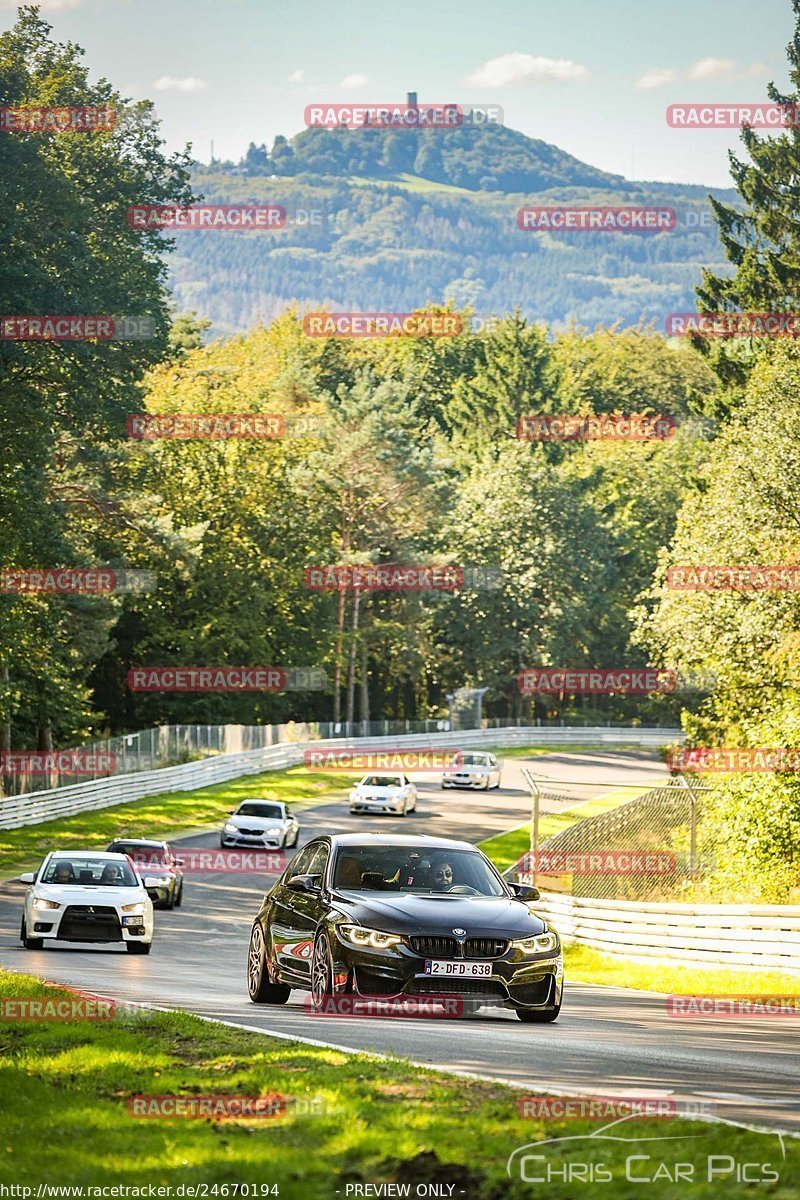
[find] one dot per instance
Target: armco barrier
(33, 808)
(714, 935)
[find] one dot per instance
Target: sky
(593, 77)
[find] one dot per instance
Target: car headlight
(229, 828)
(40, 902)
(161, 880)
(272, 832)
(133, 908)
(537, 945)
(357, 935)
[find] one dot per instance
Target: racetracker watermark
(733, 324)
(65, 1008)
(196, 426)
(84, 581)
(382, 760)
(752, 1005)
(401, 116)
(427, 1007)
(56, 118)
(750, 577)
(395, 577)
(595, 427)
(733, 759)
(226, 679)
(64, 762)
(76, 328)
(597, 862)
(586, 219)
(232, 217)
(207, 862)
(382, 324)
(640, 681)
(215, 1106)
(607, 1108)
(757, 115)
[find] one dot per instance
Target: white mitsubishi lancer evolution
(84, 896)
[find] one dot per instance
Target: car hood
(69, 894)
(365, 790)
(255, 822)
(466, 768)
(481, 916)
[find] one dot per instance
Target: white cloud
(297, 76)
(45, 5)
(656, 77)
(712, 68)
(356, 80)
(510, 69)
(168, 83)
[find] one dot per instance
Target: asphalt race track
(607, 1041)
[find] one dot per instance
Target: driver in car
(442, 877)
(64, 873)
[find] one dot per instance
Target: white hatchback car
(87, 896)
(384, 793)
(473, 771)
(260, 823)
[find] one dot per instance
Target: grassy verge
(167, 814)
(585, 965)
(506, 848)
(349, 1120)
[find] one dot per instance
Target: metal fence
(34, 808)
(168, 745)
(643, 849)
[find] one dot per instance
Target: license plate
(133, 920)
(475, 970)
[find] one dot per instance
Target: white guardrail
(33, 808)
(763, 936)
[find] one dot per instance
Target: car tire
(296, 839)
(539, 1016)
(321, 970)
(404, 812)
(169, 903)
(259, 987)
(179, 896)
(27, 942)
(138, 947)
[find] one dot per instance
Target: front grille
(90, 923)
(449, 947)
(457, 987)
(251, 832)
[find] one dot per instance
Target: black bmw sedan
(379, 915)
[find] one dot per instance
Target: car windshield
(471, 760)
(257, 808)
(89, 872)
(412, 869)
(140, 852)
(382, 781)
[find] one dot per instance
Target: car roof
(110, 855)
(398, 839)
(131, 842)
(260, 800)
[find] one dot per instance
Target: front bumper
(249, 842)
(380, 806)
(90, 928)
(465, 781)
(517, 980)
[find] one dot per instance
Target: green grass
(167, 814)
(585, 965)
(65, 1089)
(506, 848)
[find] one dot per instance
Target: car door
(295, 915)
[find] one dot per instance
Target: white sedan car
(473, 771)
(259, 824)
(87, 896)
(384, 793)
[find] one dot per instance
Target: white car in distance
(384, 793)
(260, 824)
(473, 770)
(86, 896)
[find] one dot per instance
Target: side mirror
(28, 877)
(522, 891)
(180, 862)
(305, 883)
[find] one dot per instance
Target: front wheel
(261, 990)
(138, 947)
(179, 896)
(539, 1016)
(28, 942)
(321, 970)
